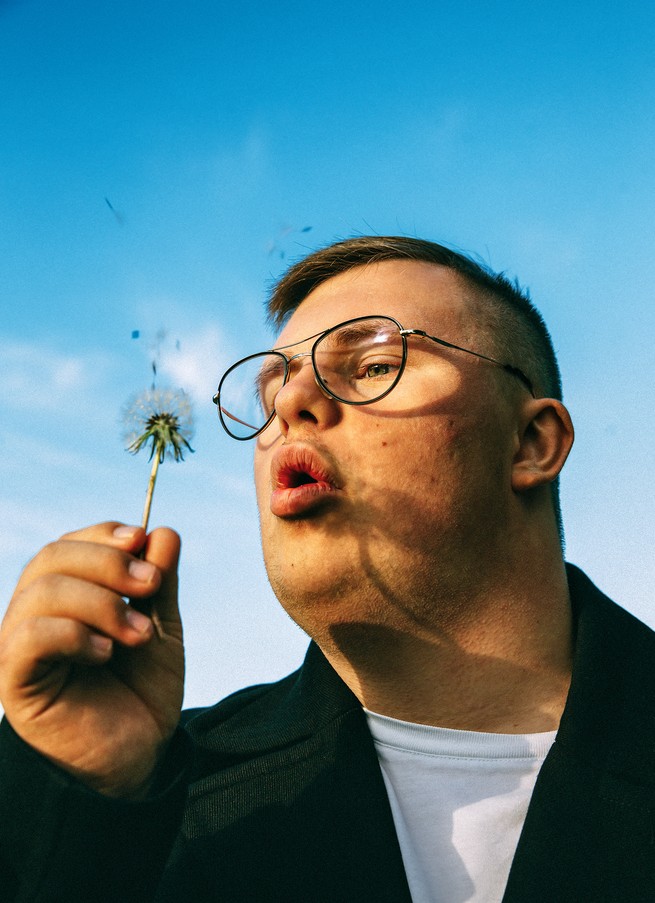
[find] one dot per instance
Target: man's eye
(376, 370)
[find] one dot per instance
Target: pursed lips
(300, 481)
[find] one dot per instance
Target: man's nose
(301, 399)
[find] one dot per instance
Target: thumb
(163, 550)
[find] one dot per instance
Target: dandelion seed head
(161, 419)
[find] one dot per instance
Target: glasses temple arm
(510, 368)
(215, 399)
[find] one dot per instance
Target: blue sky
(522, 135)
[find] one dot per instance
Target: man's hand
(83, 677)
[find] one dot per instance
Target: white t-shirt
(459, 800)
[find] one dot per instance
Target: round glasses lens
(246, 394)
(360, 361)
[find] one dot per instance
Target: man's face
(366, 510)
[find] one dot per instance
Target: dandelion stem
(156, 620)
(151, 489)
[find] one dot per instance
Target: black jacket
(286, 800)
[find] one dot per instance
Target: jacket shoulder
(269, 718)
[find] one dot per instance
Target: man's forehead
(417, 293)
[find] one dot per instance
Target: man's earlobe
(545, 440)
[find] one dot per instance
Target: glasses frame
(318, 338)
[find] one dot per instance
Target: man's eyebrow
(350, 332)
(355, 331)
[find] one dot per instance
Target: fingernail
(142, 570)
(137, 621)
(124, 532)
(101, 645)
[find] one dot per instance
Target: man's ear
(544, 441)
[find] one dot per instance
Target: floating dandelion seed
(163, 420)
(274, 245)
(120, 219)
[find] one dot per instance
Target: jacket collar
(608, 719)
(589, 832)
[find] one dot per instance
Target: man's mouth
(301, 481)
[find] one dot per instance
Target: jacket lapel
(589, 832)
(292, 805)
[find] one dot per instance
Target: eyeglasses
(356, 362)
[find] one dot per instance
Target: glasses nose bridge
(291, 371)
(295, 357)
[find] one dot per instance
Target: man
(473, 721)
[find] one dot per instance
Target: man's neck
(504, 666)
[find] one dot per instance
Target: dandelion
(163, 420)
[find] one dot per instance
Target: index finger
(128, 537)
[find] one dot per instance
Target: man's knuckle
(50, 554)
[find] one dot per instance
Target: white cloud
(34, 375)
(189, 351)
(196, 361)
(38, 451)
